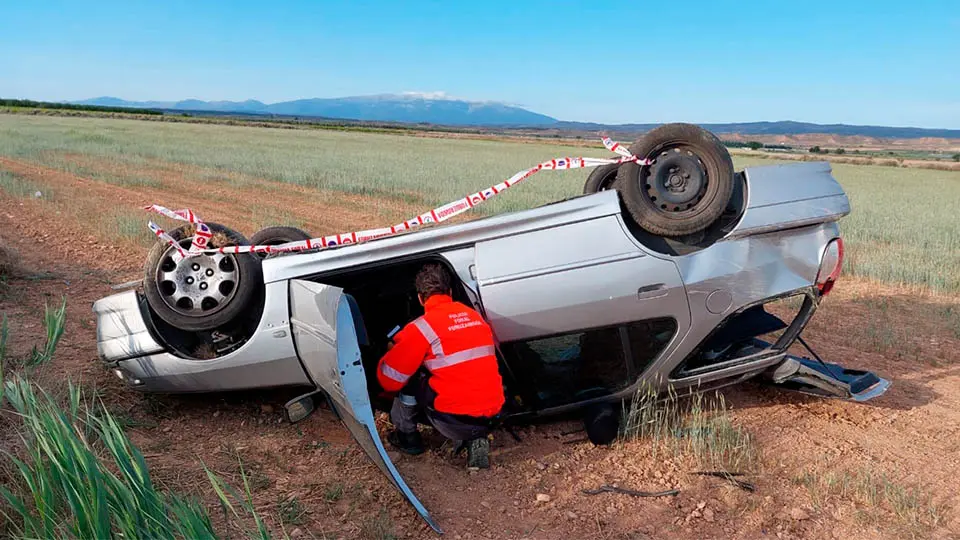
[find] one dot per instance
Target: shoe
(408, 443)
(478, 454)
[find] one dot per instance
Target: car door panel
(327, 332)
(576, 276)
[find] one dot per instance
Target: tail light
(830, 266)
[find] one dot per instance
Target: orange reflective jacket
(456, 345)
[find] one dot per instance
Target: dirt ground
(830, 469)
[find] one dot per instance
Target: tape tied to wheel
(201, 239)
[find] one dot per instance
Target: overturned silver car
(589, 298)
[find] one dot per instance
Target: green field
(904, 226)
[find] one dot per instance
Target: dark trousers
(414, 405)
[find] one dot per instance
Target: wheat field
(904, 227)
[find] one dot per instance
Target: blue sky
(851, 61)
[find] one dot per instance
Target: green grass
(66, 490)
(425, 170)
(266, 216)
(18, 186)
(76, 474)
(4, 337)
(54, 324)
(903, 228)
(126, 225)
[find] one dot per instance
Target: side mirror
(301, 407)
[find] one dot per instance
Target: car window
(570, 367)
(647, 339)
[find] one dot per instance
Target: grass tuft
(698, 426)
(379, 527)
(291, 511)
(333, 493)
(227, 494)
(80, 476)
(66, 490)
(54, 322)
(915, 511)
(76, 473)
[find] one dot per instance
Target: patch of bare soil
(829, 468)
(9, 261)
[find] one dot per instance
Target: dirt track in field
(322, 484)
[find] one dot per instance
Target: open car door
(327, 331)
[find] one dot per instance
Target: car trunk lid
(788, 196)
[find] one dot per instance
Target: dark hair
(432, 279)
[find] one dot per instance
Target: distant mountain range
(785, 127)
(406, 108)
(416, 108)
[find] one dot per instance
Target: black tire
(601, 178)
(234, 280)
(686, 188)
(274, 236)
(601, 421)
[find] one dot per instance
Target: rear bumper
(826, 380)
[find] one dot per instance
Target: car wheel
(685, 189)
(201, 292)
(274, 236)
(601, 178)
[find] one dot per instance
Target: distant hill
(785, 127)
(407, 108)
(415, 108)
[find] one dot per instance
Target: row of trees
(818, 150)
(72, 106)
(841, 151)
(755, 145)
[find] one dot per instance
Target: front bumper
(130, 346)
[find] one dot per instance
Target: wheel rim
(609, 179)
(197, 286)
(675, 182)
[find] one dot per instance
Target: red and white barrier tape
(437, 215)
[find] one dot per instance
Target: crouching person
(444, 367)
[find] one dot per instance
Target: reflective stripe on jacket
(456, 345)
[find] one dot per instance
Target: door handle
(652, 291)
